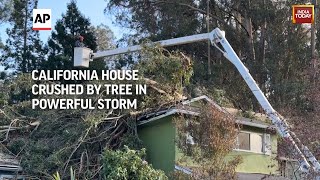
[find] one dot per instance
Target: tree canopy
(62, 42)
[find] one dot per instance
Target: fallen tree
(51, 140)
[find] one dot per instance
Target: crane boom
(277, 120)
(164, 43)
(84, 55)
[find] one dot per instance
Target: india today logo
(41, 19)
(303, 14)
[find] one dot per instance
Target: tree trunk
(248, 24)
(262, 51)
(263, 42)
(24, 67)
(238, 26)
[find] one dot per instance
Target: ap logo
(41, 19)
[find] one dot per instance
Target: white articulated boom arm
(164, 43)
(83, 55)
(282, 127)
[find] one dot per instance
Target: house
(9, 167)
(255, 144)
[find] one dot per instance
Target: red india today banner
(303, 14)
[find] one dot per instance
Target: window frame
(265, 149)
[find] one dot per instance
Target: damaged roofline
(168, 113)
(242, 121)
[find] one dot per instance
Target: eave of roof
(9, 163)
(252, 123)
(12, 168)
(168, 113)
(239, 120)
(242, 121)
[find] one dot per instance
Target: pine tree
(260, 32)
(63, 38)
(5, 9)
(23, 49)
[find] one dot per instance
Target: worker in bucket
(79, 42)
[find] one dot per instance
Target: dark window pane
(244, 141)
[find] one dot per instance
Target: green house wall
(255, 162)
(159, 139)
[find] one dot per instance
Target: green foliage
(169, 68)
(5, 10)
(105, 37)
(142, 17)
(74, 138)
(49, 147)
(3, 75)
(169, 73)
(23, 50)
(275, 51)
(213, 134)
(63, 38)
(179, 175)
(128, 164)
(65, 138)
(20, 88)
(3, 91)
(72, 175)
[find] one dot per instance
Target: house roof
(9, 163)
(186, 108)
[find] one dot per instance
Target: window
(253, 142)
(257, 142)
(244, 141)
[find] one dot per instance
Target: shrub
(128, 164)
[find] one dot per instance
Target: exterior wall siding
(158, 138)
(255, 162)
